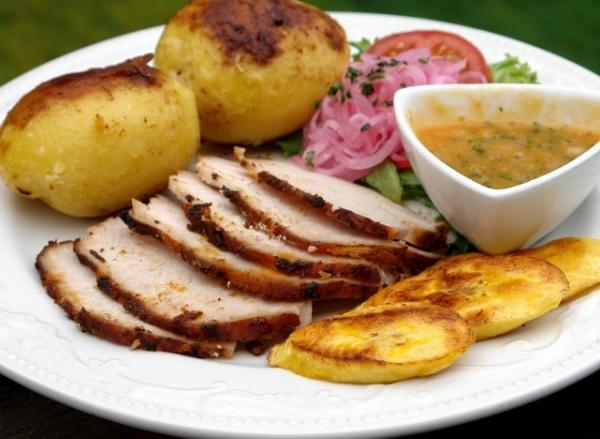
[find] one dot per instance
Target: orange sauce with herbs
(503, 154)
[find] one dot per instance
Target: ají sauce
(503, 154)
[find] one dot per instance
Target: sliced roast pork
(222, 223)
(353, 205)
(73, 287)
(166, 221)
(301, 225)
(154, 284)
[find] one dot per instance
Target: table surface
(48, 30)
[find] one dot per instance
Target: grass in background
(35, 31)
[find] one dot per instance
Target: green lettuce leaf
(512, 70)
(359, 47)
(291, 144)
(385, 180)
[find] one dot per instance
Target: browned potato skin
(88, 142)
(257, 67)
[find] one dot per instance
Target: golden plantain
(376, 345)
(494, 294)
(577, 258)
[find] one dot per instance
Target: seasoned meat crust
(73, 288)
(152, 283)
(347, 203)
(211, 214)
(301, 226)
(166, 221)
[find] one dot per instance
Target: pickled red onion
(354, 129)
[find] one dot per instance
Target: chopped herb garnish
(367, 88)
(365, 127)
(352, 74)
(309, 159)
(360, 47)
(478, 149)
(390, 63)
(423, 60)
(348, 94)
(317, 104)
(501, 109)
(389, 103)
(375, 75)
(333, 90)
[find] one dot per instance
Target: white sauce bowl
(501, 220)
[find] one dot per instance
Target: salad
(353, 133)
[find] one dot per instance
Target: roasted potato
(88, 142)
(494, 294)
(376, 345)
(577, 258)
(257, 68)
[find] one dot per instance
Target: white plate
(42, 349)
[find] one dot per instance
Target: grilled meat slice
(166, 221)
(222, 223)
(154, 284)
(73, 287)
(350, 204)
(301, 225)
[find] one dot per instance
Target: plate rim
(82, 403)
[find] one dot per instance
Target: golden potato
(376, 345)
(88, 142)
(257, 67)
(494, 294)
(577, 258)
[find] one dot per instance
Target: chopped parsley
(352, 74)
(335, 88)
(375, 75)
(365, 127)
(367, 88)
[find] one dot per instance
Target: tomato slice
(446, 44)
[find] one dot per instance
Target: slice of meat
(73, 287)
(222, 223)
(348, 203)
(155, 285)
(167, 222)
(300, 225)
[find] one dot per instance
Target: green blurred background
(35, 31)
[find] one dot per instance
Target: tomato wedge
(446, 44)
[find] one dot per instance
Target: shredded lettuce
(512, 70)
(291, 144)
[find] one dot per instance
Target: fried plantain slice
(494, 294)
(376, 345)
(577, 258)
